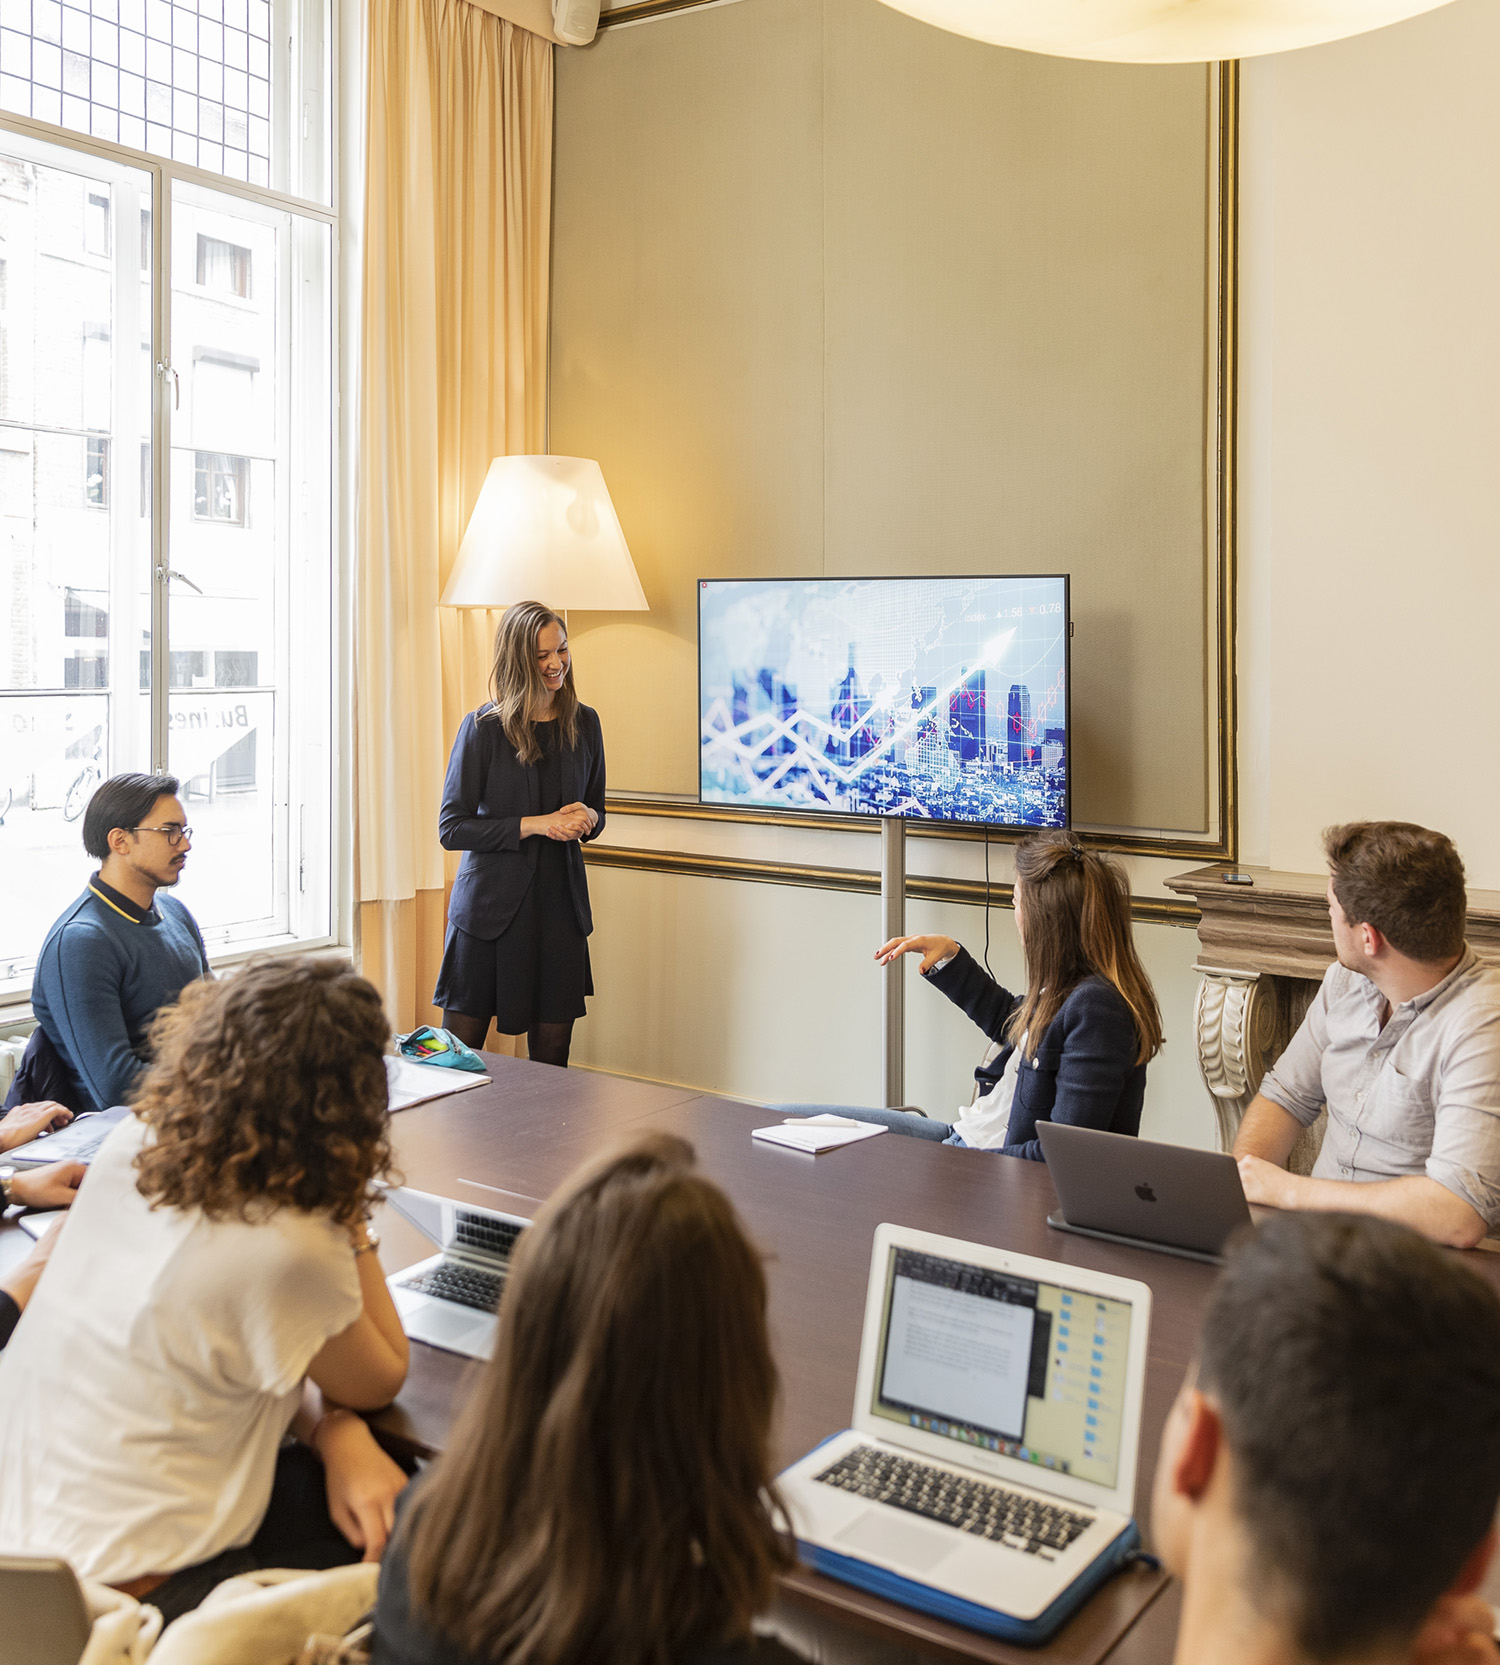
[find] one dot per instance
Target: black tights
(546, 1043)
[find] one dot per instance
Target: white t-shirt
(155, 1372)
(985, 1123)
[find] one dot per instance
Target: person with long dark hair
(525, 789)
(1074, 1047)
(607, 1494)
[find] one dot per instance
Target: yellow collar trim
(119, 910)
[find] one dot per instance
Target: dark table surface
(507, 1145)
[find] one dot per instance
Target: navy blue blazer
(486, 793)
(1084, 1072)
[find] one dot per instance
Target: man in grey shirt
(1402, 1044)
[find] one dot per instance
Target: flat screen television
(934, 699)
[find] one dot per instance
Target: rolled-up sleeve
(1465, 1157)
(1295, 1080)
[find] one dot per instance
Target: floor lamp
(544, 529)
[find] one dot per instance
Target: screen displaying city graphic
(942, 699)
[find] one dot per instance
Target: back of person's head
(605, 1495)
(1076, 923)
(268, 1090)
(1405, 880)
(1356, 1369)
(122, 801)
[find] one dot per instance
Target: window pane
(250, 529)
(75, 545)
(189, 82)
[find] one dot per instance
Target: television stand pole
(893, 924)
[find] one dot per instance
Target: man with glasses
(120, 952)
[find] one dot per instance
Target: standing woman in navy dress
(525, 790)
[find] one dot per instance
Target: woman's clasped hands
(572, 821)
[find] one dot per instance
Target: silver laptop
(450, 1299)
(989, 1476)
(1170, 1198)
(79, 1141)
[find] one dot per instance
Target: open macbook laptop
(989, 1476)
(450, 1299)
(1165, 1197)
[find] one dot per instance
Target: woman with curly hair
(216, 1260)
(607, 1495)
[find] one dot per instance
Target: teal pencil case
(438, 1046)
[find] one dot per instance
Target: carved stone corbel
(1234, 1025)
(1242, 1020)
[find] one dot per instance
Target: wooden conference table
(507, 1145)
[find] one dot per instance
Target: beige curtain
(453, 368)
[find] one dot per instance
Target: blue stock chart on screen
(942, 699)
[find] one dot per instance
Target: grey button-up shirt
(1419, 1096)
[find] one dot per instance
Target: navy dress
(518, 920)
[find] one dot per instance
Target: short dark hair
(122, 801)
(1405, 880)
(1356, 1367)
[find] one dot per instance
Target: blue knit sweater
(105, 970)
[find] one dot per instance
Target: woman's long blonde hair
(516, 686)
(1077, 907)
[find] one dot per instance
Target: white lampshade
(1161, 31)
(544, 529)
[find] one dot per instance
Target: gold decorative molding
(1220, 441)
(863, 880)
(639, 9)
(971, 832)
(1227, 472)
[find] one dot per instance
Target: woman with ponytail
(1074, 1047)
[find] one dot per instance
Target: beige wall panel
(770, 993)
(1016, 301)
(687, 335)
(1372, 417)
(838, 292)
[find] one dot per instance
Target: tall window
(194, 84)
(182, 617)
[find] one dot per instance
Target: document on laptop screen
(967, 1350)
(1027, 1369)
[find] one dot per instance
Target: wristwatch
(7, 1175)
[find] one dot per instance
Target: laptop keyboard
(976, 1506)
(479, 1231)
(467, 1286)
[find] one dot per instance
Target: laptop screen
(1031, 1370)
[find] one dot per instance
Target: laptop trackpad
(440, 1324)
(915, 1548)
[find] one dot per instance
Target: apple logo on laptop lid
(1145, 1193)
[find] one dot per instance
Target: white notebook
(816, 1134)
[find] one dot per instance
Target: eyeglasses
(173, 834)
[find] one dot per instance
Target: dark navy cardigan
(1084, 1072)
(487, 792)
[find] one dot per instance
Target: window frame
(341, 169)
